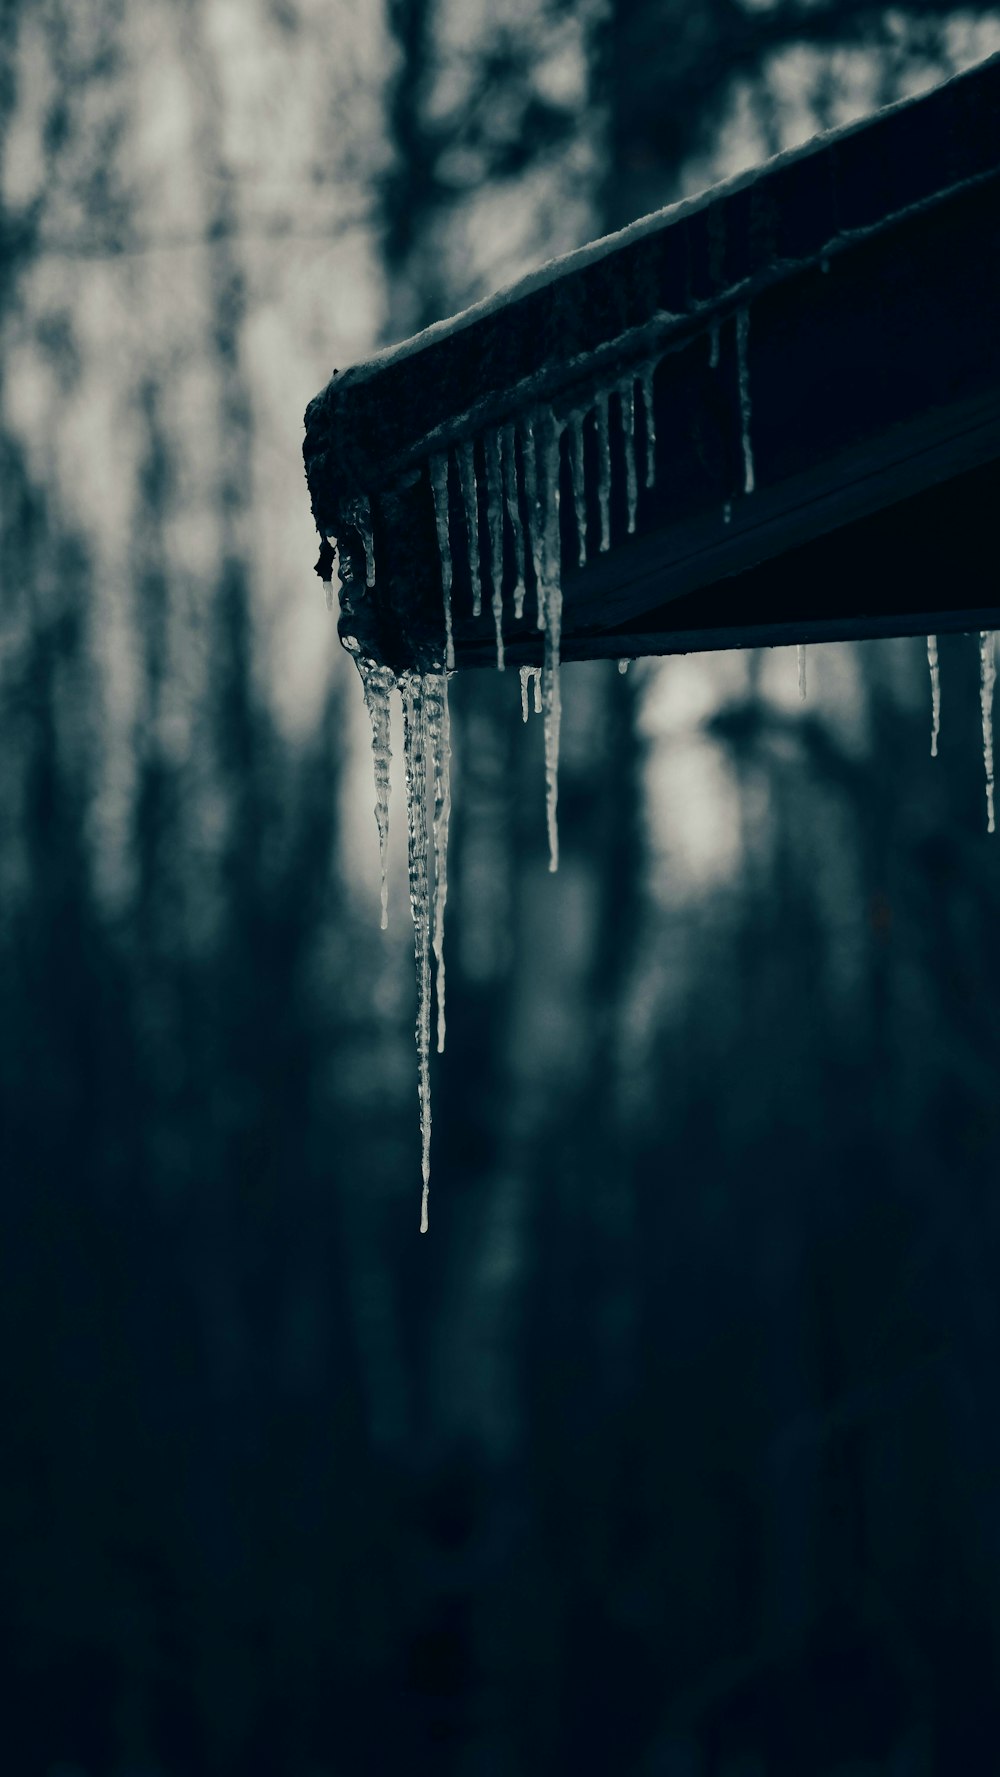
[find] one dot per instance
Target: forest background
(673, 1451)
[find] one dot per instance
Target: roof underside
(823, 333)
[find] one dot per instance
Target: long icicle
(576, 463)
(551, 570)
(494, 512)
(530, 461)
(802, 670)
(645, 381)
(987, 680)
(935, 671)
(439, 489)
(603, 466)
(470, 500)
(439, 743)
(626, 395)
(509, 469)
(377, 683)
(742, 332)
(415, 755)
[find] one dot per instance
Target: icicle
(439, 488)
(603, 467)
(624, 664)
(742, 330)
(531, 675)
(727, 512)
(552, 605)
(415, 753)
(439, 743)
(528, 457)
(494, 519)
(987, 680)
(377, 683)
(470, 497)
(626, 395)
(646, 385)
(358, 514)
(935, 670)
(802, 670)
(579, 486)
(508, 458)
(713, 346)
(328, 590)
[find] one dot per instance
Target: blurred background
(673, 1450)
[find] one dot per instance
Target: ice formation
(742, 333)
(411, 685)
(377, 682)
(470, 502)
(935, 671)
(987, 680)
(439, 740)
(439, 489)
(531, 675)
(521, 464)
(802, 669)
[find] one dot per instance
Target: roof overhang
(850, 287)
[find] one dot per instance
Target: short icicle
(494, 517)
(987, 680)
(439, 743)
(470, 500)
(358, 514)
(551, 573)
(439, 489)
(377, 683)
(531, 676)
(415, 755)
(802, 670)
(645, 381)
(508, 457)
(935, 671)
(603, 467)
(626, 395)
(579, 487)
(742, 333)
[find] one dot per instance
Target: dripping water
(935, 672)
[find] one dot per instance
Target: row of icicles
(535, 534)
